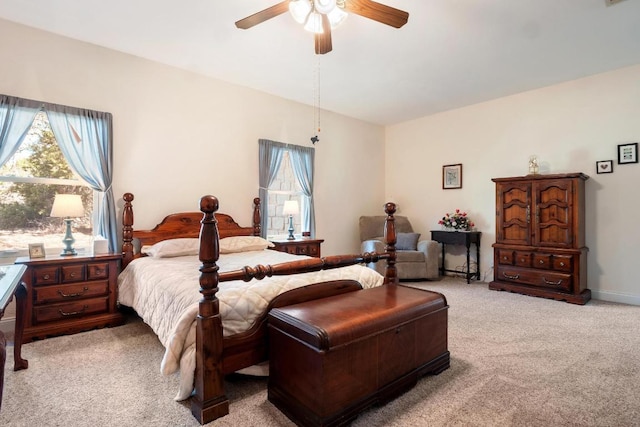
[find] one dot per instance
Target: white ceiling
(451, 53)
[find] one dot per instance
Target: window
(48, 149)
(286, 173)
(284, 187)
(29, 181)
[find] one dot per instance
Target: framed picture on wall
(604, 166)
(628, 153)
(452, 176)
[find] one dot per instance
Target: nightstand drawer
(305, 250)
(45, 276)
(63, 311)
(304, 246)
(72, 273)
(48, 294)
(98, 271)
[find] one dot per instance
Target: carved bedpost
(209, 401)
(391, 274)
(257, 226)
(127, 230)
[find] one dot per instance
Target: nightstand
(70, 294)
(299, 246)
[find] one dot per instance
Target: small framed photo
(628, 153)
(452, 176)
(36, 250)
(604, 166)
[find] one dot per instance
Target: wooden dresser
(70, 294)
(540, 237)
(299, 246)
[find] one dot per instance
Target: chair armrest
(431, 250)
(378, 247)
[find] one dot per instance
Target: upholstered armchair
(415, 258)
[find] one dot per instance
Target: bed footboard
(210, 401)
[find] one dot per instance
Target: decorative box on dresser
(70, 294)
(540, 237)
(299, 246)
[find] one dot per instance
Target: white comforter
(165, 293)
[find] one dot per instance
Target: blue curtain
(85, 139)
(302, 164)
(270, 153)
(16, 117)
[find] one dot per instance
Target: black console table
(465, 238)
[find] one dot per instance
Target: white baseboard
(616, 297)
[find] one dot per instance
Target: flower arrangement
(457, 220)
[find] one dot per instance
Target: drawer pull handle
(561, 263)
(541, 262)
(72, 275)
(514, 277)
(552, 283)
(77, 294)
(46, 277)
(73, 313)
(504, 258)
(99, 272)
(521, 259)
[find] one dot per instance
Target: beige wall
(170, 125)
(179, 135)
(569, 127)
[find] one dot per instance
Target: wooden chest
(331, 358)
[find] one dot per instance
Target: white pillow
(233, 244)
(173, 248)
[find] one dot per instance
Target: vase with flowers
(456, 221)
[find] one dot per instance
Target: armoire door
(513, 213)
(553, 203)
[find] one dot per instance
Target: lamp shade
(67, 205)
(291, 207)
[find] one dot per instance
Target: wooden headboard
(178, 225)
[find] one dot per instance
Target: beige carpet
(515, 361)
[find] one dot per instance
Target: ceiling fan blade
(323, 40)
(263, 15)
(378, 12)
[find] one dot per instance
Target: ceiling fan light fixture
(314, 23)
(324, 6)
(337, 17)
(300, 9)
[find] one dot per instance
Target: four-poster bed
(217, 354)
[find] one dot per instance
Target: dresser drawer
(63, 311)
(46, 275)
(538, 278)
(505, 257)
(48, 294)
(542, 261)
(563, 263)
(523, 259)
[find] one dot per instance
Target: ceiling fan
(320, 16)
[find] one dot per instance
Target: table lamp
(290, 208)
(67, 206)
